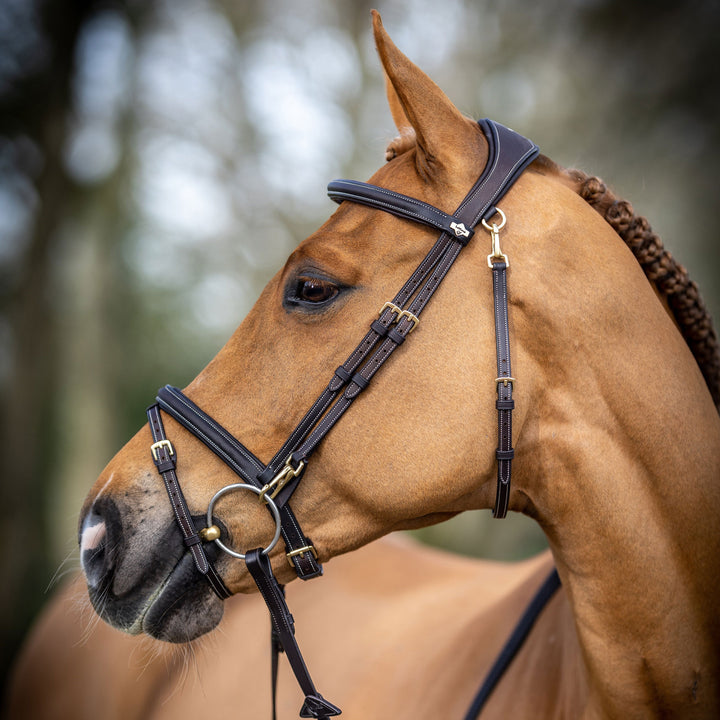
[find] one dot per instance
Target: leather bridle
(509, 155)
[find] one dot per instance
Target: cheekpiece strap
(508, 155)
(165, 458)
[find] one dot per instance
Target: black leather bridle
(509, 155)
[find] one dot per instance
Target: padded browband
(397, 204)
(508, 156)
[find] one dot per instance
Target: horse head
(600, 365)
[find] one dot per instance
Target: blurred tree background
(160, 158)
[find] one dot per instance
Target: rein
(509, 155)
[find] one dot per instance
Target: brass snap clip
(494, 230)
(280, 480)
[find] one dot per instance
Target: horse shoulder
(420, 628)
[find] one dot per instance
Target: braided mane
(669, 277)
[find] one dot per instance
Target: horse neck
(624, 476)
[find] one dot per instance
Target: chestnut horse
(617, 458)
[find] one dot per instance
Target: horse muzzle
(140, 577)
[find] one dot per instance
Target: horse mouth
(145, 584)
(180, 608)
(183, 607)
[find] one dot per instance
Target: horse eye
(315, 290)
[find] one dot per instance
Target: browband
(397, 204)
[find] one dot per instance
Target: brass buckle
(301, 551)
(393, 307)
(412, 318)
(400, 314)
(505, 381)
(280, 480)
(155, 447)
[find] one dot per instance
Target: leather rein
(274, 483)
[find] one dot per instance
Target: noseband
(274, 483)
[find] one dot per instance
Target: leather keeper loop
(396, 337)
(192, 540)
(377, 327)
(165, 466)
(505, 454)
(505, 404)
(463, 239)
(360, 381)
(487, 215)
(266, 475)
(343, 375)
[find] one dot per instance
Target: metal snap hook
(494, 231)
(494, 226)
(208, 531)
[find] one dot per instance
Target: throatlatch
(508, 156)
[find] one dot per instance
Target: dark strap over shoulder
(514, 643)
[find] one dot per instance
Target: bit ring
(270, 503)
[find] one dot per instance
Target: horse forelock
(669, 277)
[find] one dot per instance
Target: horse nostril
(94, 555)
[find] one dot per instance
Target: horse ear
(406, 139)
(422, 112)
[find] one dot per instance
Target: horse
(617, 457)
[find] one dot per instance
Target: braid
(670, 278)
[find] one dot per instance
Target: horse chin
(180, 609)
(184, 607)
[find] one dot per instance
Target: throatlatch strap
(165, 459)
(504, 383)
(315, 705)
